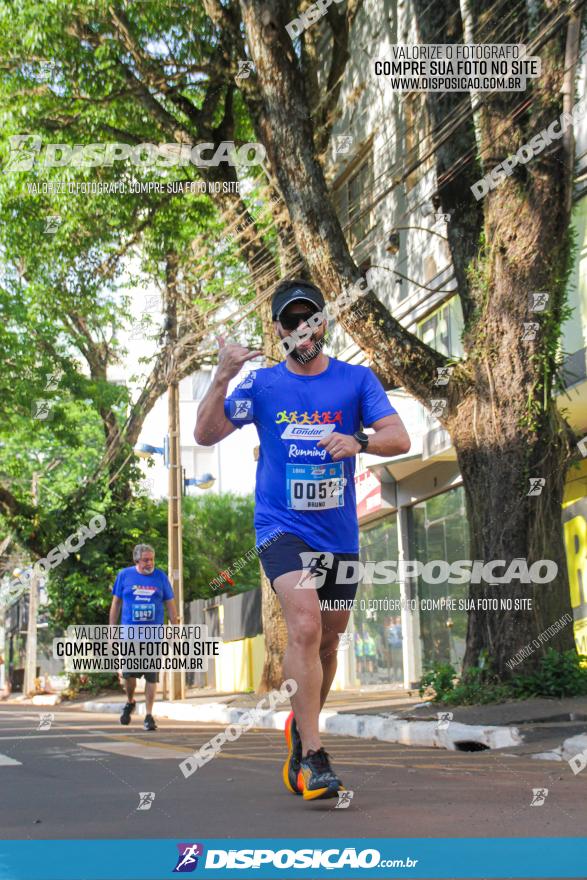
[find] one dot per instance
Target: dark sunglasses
(293, 320)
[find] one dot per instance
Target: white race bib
(315, 486)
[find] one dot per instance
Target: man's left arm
(171, 611)
(389, 438)
(169, 600)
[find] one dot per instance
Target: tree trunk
(275, 633)
(508, 432)
(440, 21)
(506, 523)
(284, 126)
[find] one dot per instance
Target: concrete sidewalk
(552, 729)
(547, 728)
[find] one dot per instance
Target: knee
(306, 634)
(329, 644)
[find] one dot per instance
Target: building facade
(383, 182)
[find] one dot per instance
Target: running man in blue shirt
(309, 411)
(142, 592)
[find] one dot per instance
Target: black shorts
(321, 567)
(151, 677)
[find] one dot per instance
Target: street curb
(568, 749)
(389, 728)
(419, 733)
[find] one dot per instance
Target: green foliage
(440, 678)
(69, 77)
(218, 532)
(475, 686)
(90, 684)
(478, 686)
(559, 674)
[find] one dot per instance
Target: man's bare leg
(333, 623)
(150, 691)
(130, 685)
(301, 661)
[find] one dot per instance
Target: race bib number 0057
(315, 487)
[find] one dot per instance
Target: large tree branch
(340, 23)
(20, 514)
(287, 135)
(151, 71)
(254, 251)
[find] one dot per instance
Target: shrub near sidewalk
(91, 684)
(559, 675)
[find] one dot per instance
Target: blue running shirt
(299, 488)
(142, 595)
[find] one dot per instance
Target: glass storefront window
(377, 632)
(442, 329)
(440, 532)
(352, 201)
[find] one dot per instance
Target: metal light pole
(174, 683)
(30, 667)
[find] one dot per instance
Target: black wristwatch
(363, 439)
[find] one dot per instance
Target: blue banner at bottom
(276, 858)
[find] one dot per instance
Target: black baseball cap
(295, 290)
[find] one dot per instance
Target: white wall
(231, 462)
(371, 109)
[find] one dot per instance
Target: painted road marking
(130, 748)
(5, 761)
(29, 735)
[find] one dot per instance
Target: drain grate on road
(469, 745)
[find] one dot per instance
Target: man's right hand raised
(212, 424)
(231, 357)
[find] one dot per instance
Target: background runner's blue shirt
(299, 488)
(142, 595)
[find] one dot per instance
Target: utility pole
(30, 668)
(174, 522)
(175, 484)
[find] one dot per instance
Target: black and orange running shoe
(316, 778)
(291, 768)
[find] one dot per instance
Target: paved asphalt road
(82, 778)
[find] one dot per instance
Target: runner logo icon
(241, 409)
(315, 567)
(187, 861)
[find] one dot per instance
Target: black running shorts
(321, 568)
(152, 677)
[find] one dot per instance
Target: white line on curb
(385, 729)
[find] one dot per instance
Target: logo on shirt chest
(305, 418)
(143, 593)
(307, 432)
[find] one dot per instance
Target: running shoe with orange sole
(291, 767)
(316, 778)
